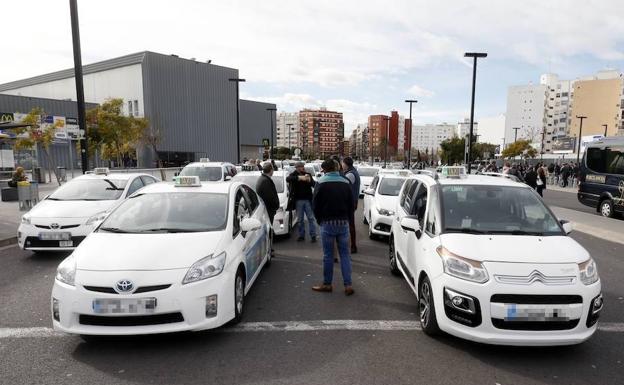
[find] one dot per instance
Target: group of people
(331, 201)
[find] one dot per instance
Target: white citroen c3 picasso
(489, 262)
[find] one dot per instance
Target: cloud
(420, 92)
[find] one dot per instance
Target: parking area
(292, 335)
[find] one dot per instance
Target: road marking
(287, 326)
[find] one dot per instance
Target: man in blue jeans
(301, 184)
(333, 203)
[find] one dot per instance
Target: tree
(452, 150)
(520, 147)
(483, 150)
(37, 133)
(115, 134)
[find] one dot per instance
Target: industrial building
(191, 105)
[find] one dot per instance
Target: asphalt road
(283, 293)
(566, 200)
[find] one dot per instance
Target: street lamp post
(237, 81)
(475, 56)
(516, 133)
(580, 137)
(605, 126)
(387, 120)
(82, 120)
(409, 139)
(271, 110)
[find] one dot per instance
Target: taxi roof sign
(453, 171)
(187, 181)
(101, 171)
(204, 160)
(249, 167)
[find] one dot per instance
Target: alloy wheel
(424, 304)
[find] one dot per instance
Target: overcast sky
(359, 57)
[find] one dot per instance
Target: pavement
(292, 335)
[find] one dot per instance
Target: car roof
(112, 175)
(208, 164)
(206, 187)
(470, 179)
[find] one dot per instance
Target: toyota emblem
(124, 286)
(54, 226)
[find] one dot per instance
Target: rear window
(391, 186)
(606, 161)
(90, 190)
(205, 174)
(367, 171)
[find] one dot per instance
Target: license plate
(537, 313)
(57, 236)
(124, 305)
(66, 243)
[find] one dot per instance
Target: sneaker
(313, 240)
(323, 288)
(349, 290)
(300, 239)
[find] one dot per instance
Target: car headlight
(26, 219)
(588, 272)
(97, 218)
(463, 268)
(205, 268)
(66, 271)
(385, 212)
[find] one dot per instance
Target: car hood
(103, 251)
(515, 248)
(387, 202)
(69, 209)
(366, 180)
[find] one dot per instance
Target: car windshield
(169, 213)
(486, 209)
(391, 186)
(251, 181)
(90, 190)
(367, 171)
(205, 174)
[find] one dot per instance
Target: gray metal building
(191, 105)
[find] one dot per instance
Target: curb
(8, 241)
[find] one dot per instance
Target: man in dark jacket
(301, 184)
(530, 178)
(265, 188)
(353, 177)
(333, 204)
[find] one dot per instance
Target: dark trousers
(352, 227)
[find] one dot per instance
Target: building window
(136, 108)
(129, 107)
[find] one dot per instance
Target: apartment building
(429, 136)
(321, 132)
(287, 129)
(463, 128)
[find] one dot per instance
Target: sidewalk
(568, 189)
(610, 229)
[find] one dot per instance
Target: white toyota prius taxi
(489, 262)
(173, 257)
(64, 218)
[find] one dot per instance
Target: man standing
(354, 178)
(333, 205)
(301, 183)
(265, 188)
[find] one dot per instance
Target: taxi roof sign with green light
(453, 171)
(101, 171)
(187, 181)
(204, 160)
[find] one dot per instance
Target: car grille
(383, 227)
(36, 242)
(60, 227)
(133, 320)
(534, 325)
(536, 299)
(141, 289)
(535, 276)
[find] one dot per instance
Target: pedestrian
(301, 184)
(515, 172)
(265, 188)
(352, 175)
(565, 174)
(333, 203)
(557, 173)
(18, 176)
(259, 164)
(530, 178)
(541, 181)
(506, 168)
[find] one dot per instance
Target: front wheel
(394, 268)
(239, 296)
(606, 208)
(426, 308)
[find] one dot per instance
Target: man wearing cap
(301, 184)
(333, 203)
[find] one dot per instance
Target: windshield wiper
(114, 187)
(55, 199)
(466, 230)
(114, 230)
(518, 232)
(170, 230)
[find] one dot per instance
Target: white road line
(287, 326)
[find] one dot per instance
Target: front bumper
(178, 307)
(28, 236)
(380, 224)
(532, 333)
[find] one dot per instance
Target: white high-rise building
(463, 128)
(401, 137)
(286, 120)
(526, 112)
(429, 136)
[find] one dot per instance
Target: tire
(370, 232)
(270, 256)
(364, 220)
(394, 265)
(239, 296)
(426, 308)
(606, 208)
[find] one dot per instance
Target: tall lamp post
(409, 139)
(387, 120)
(237, 81)
(271, 110)
(580, 137)
(474, 56)
(515, 133)
(82, 120)
(289, 139)
(605, 126)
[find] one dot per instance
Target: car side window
(252, 199)
(134, 186)
(406, 188)
(148, 180)
(374, 183)
(240, 211)
(419, 204)
(409, 197)
(433, 215)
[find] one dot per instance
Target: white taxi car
(380, 201)
(172, 257)
(489, 262)
(284, 219)
(367, 174)
(208, 171)
(64, 218)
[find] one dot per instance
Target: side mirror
(369, 191)
(411, 223)
(567, 226)
(250, 224)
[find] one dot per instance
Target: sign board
(563, 145)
